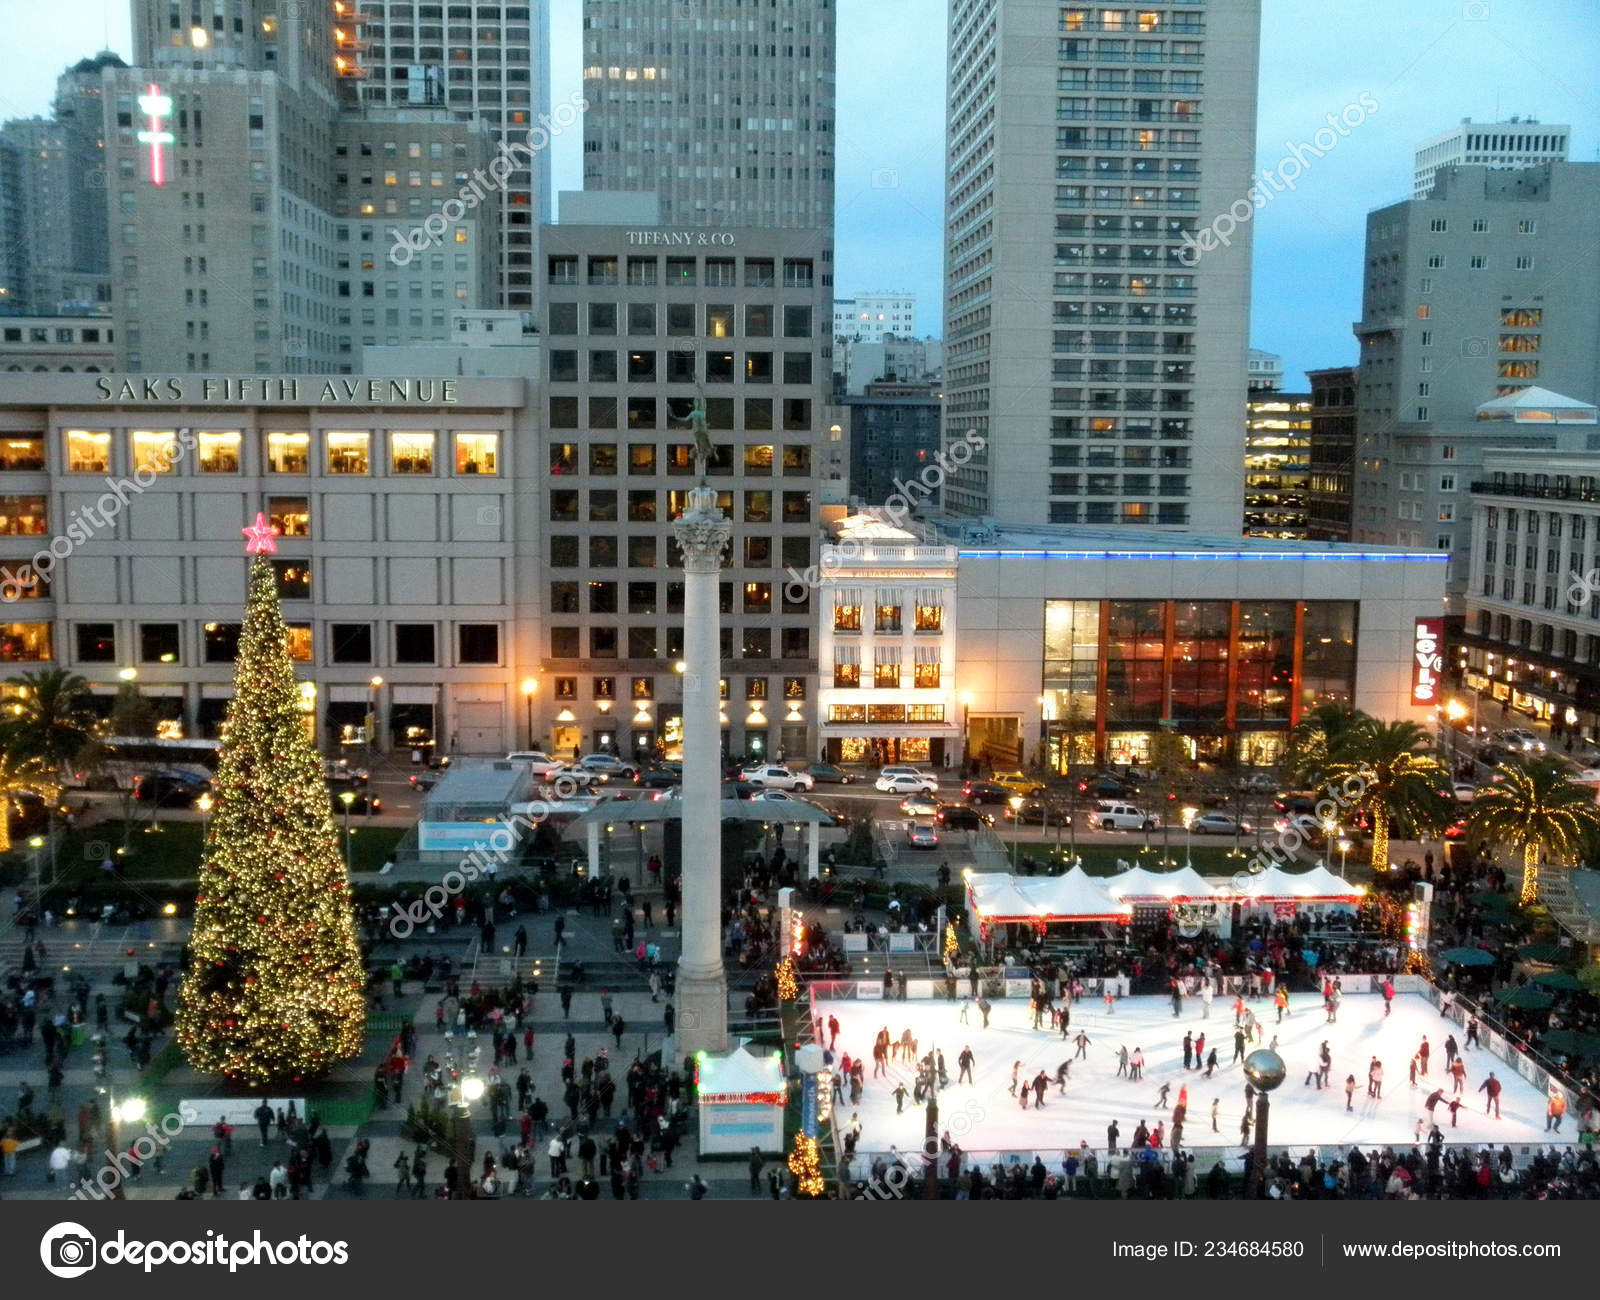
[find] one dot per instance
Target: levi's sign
(1427, 660)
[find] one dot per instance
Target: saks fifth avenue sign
(682, 238)
(276, 390)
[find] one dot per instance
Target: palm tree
(1314, 740)
(1384, 770)
(21, 772)
(1537, 809)
(53, 716)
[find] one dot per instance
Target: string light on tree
(275, 986)
(788, 986)
(806, 1165)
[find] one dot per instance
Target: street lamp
(128, 674)
(1330, 828)
(130, 1110)
(36, 843)
(372, 726)
(1344, 848)
(204, 803)
(1016, 828)
(529, 686)
(1188, 835)
(347, 798)
(1265, 1070)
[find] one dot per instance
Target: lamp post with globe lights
(1265, 1071)
(130, 1110)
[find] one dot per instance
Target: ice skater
(1122, 1060)
(1112, 1134)
(1472, 1032)
(1188, 1050)
(1177, 999)
(1452, 1049)
(1066, 1018)
(1041, 1082)
(966, 1006)
(1458, 1075)
(899, 1095)
(1082, 1040)
(1491, 1086)
(1063, 1073)
(1136, 1064)
(1238, 1009)
(1281, 1001)
(1216, 1110)
(1211, 1062)
(1375, 1079)
(1199, 1050)
(965, 1061)
(1111, 1000)
(1205, 999)
(1349, 1091)
(1388, 996)
(1423, 1053)
(1015, 1066)
(1161, 1101)
(1238, 1045)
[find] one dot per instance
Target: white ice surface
(984, 1116)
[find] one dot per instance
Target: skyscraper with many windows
(725, 108)
(1095, 348)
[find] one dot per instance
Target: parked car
(661, 778)
(955, 816)
(1260, 783)
(759, 795)
(1123, 817)
(905, 783)
(919, 835)
(774, 776)
(608, 767)
(169, 789)
(339, 772)
(920, 805)
(982, 792)
(1018, 783)
(1219, 824)
(829, 774)
(1295, 801)
(1105, 787)
(1037, 810)
(1466, 792)
(901, 769)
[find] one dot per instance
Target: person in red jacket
(1491, 1085)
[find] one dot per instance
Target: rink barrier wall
(1016, 982)
(1542, 1073)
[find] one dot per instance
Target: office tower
(868, 317)
(1277, 463)
(13, 242)
(1333, 451)
(246, 232)
(1082, 331)
(894, 436)
(1519, 142)
(1264, 373)
(1485, 288)
(80, 112)
(724, 109)
(484, 59)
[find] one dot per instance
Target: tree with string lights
(275, 986)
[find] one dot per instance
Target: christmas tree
(275, 988)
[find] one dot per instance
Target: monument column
(702, 989)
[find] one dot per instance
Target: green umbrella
(1571, 1042)
(1525, 998)
(1467, 957)
(1562, 980)
(1490, 899)
(1542, 952)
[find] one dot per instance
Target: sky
(1426, 63)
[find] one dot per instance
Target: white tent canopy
(1140, 882)
(1075, 896)
(1275, 884)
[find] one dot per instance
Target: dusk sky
(1428, 64)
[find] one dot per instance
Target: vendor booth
(998, 898)
(740, 1102)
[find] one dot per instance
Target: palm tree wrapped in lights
(1537, 809)
(1384, 769)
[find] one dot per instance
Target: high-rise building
(14, 276)
(1277, 463)
(1264, 372)
(894, 437)
(1333, 452)
(1519, 142)
(1486, 287)
(725, 109)
(257, 210)
(80, 112)
(857, 364)
(869, 317)
(487, 60)
(1083, 145)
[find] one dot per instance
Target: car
(920, 805)
(730, 790)
(829, 774)
(905, 783)
(919, 835)
(759, 795)
(608, 767)
(1219, 824)
(1519, 738)
(1260, 783)
(1295, 801)
(773, 776)
(1122, 817)
(1586, 775)
(661, 778)
(1018, 783)
(424, 780)
(955, 816)
(982, 792)
(339, 772)
(1465, 792)
(361, 802)
(540, 762)
(1105, 787)
(1037, 810)
(170, 789)
(1456, 830)
(1308, 827)
(901, 769)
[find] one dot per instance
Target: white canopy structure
(1076, 896)
(1141, 883)
(1275, 885)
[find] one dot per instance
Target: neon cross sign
(157, 107)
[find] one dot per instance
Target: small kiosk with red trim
(740, 1099)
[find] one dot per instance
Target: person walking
(756, 1163)
(1492, 1087)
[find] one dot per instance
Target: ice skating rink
(983, 1116)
